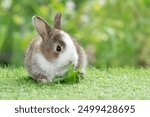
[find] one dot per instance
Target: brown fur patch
(57, 21)
(48, 47)
(31, 51)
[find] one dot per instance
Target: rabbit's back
(32, 49)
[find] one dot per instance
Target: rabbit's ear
(41, 26)
(57, 21)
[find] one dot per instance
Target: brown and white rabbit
(52, 51)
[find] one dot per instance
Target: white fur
(56, 67)
(70, 53)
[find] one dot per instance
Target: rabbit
(49, 53)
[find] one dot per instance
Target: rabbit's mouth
(67, 65)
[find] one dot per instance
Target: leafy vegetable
(70, 77)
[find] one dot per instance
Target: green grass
(112, 83)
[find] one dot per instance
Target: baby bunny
(49, 54)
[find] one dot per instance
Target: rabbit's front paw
(41, 78)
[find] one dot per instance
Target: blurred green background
(113, 32)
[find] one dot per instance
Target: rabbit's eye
(58, 49)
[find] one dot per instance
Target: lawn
(112, 83)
